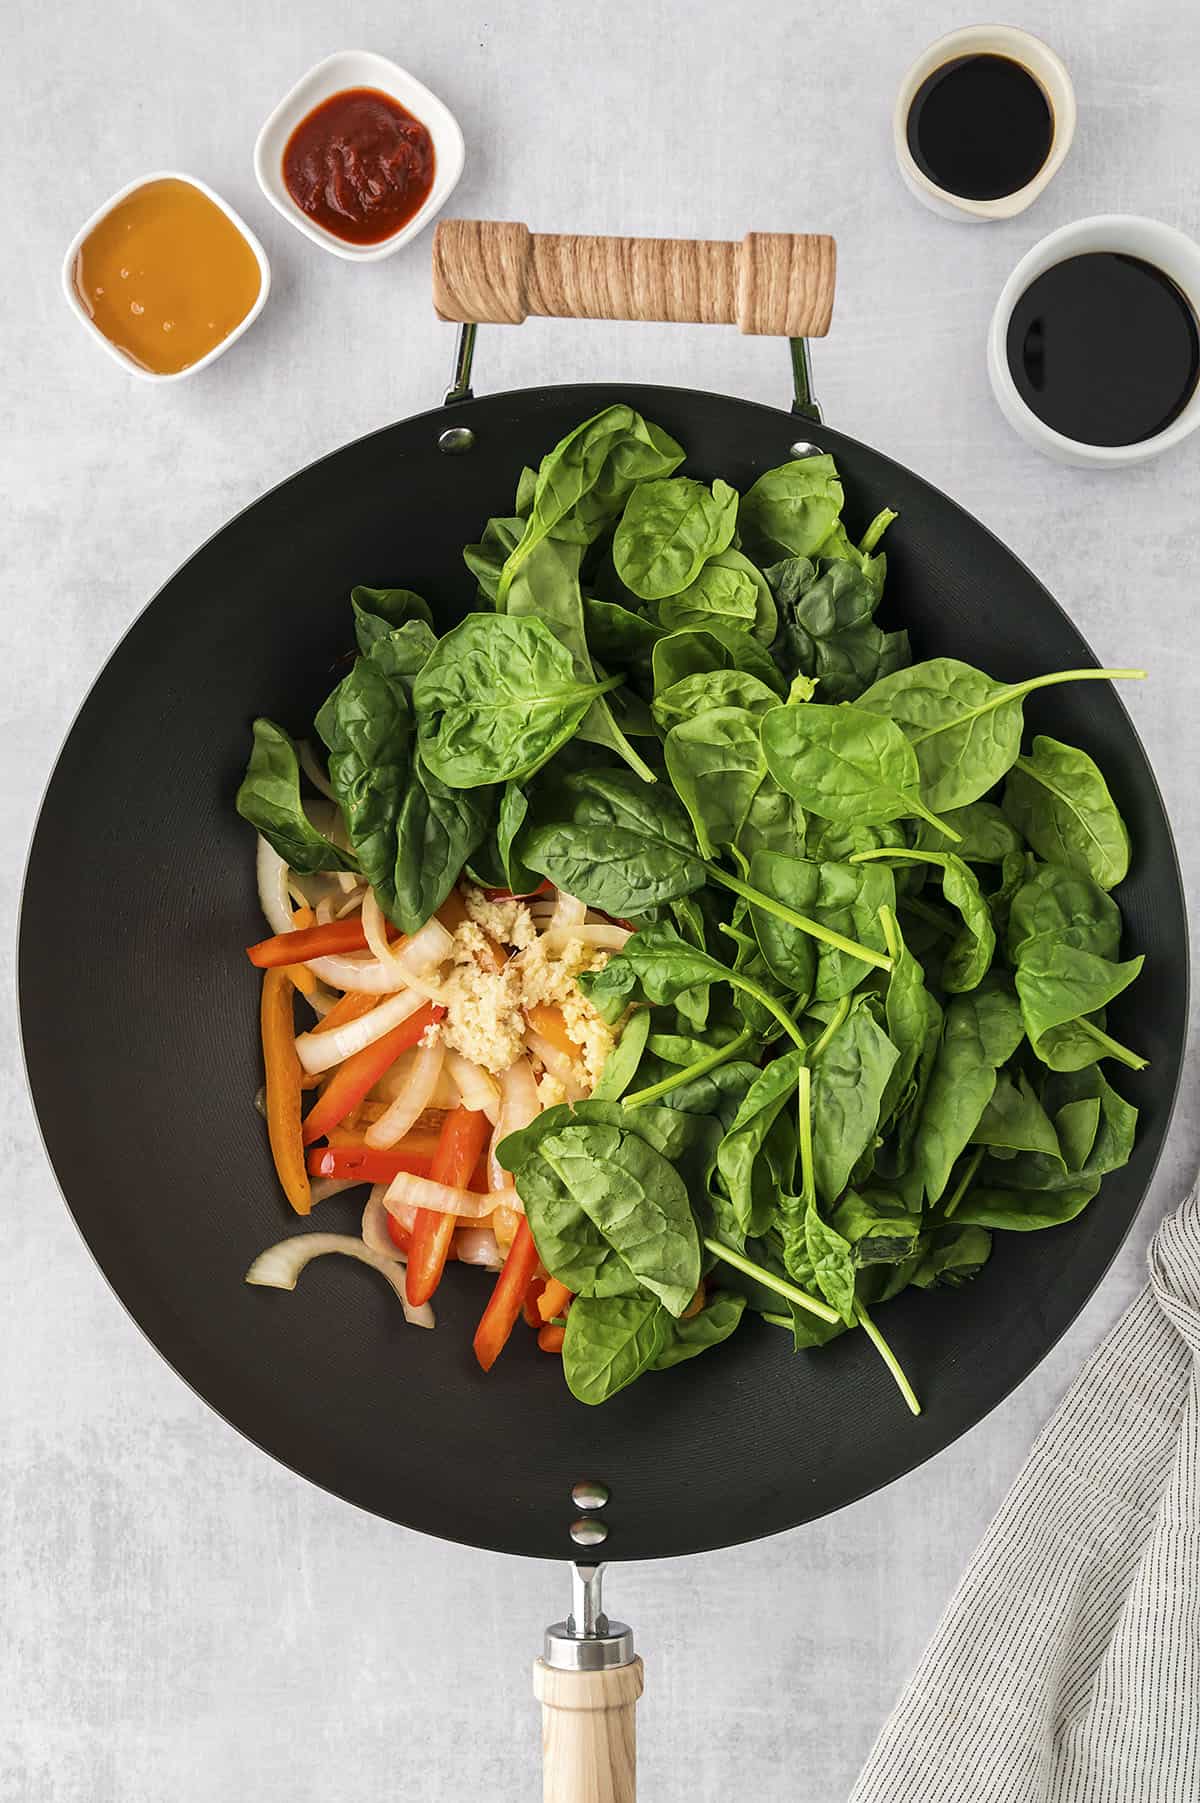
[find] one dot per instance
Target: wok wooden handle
(496, 273)
(589, 1734)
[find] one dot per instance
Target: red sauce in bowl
(360, 164)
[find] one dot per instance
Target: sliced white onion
(430, 946)
(445, 1094)
(324, 911)
(519, 1105)
(479, 1090)
(321, 1000)
(603, 937)
(412, 1100)
(477, 1246)
(375, 1227)
(280, 1265)
(442, 1198)
(310, 763)
(272, 875)
(568, 912)
(352, 901)
(375, 927)
(556, 1062)
(320, 1051)
(324, 1187)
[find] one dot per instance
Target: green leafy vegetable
(790, 511)
(1057, 799)
(269, 798)
(668, 531)
(845, 764)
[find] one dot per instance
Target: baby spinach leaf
(844, 763)
(1069, 1097)
(716, 764)
(269, 798)
(609, 1342)
(437, 831)
(838, 544)
(366, 725)
(845, 898)
(616, 635)
(714, 1323)
(713, 647)
(607, 1211)
(511, 817)
(952, 1256)
(1015, 1121)
(379, 611)
(1058, 799)
(911, 1014)
(877, 1225)
(727, 595)
(970, 957)
(695, 694)
(748, 1180)
(1025, 1211)
(657, 965)
(1059, 986)
(849, 1078)
(964, 727)
(1067, 905)
(497, 699)
(691, 1005)
(618, 845)
(486, 560)
(835, 841)
(546, 589)
(585, 481)
(985, 834)
(826, 626)
(981, 1032)
(719, 1092)
(790, 511)
(620, 1067)
(668, 531)
(832, 1260)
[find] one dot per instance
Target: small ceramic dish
(1162, 246)
(1047, 69)
(359, 69)
(75, 302)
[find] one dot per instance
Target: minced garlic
(485, 1007)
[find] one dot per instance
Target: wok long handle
(589, 1734)
(493, 272)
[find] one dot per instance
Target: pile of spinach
(862, 1015)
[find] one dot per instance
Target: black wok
(139, 1020)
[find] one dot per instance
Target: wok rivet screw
(802, 448)
(589, 1495)
(455, 440)
(588, 1533)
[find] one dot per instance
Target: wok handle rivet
(802, 448)
(588, 1532)
(588, 1494)
(455, 440)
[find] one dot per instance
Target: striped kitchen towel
(1067, 1666)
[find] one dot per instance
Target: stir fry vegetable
(678, 948)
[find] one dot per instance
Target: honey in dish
(166, 275)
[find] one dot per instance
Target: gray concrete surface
(180, 1618)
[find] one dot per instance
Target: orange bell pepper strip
(282, 1070)
(463, 1137)
(550, 1339)
(553, 1300)
(365, 1164)
(351, 1080)
(302, 978)
(547, 1019)
(335, 937)
(499, 1317)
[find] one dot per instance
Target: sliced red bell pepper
(463, 1137)
(313, 942)
(529, 1306)
(502, 1310)
(365, 1164)
(351, 1080)
(399, 1235)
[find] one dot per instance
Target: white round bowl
(359, 69)
(1051, 75)
(1126, 234)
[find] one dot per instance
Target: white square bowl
(77, 307)
(359, 69)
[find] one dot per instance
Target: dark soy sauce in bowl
(1104, 348)
(980, 127)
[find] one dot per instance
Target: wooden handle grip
(776, 283)
(589, 1734)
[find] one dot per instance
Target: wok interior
(139, 842)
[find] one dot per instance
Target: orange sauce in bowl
(166, 276)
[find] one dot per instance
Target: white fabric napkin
(1067, 1666)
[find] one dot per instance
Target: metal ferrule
(587, 1641)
